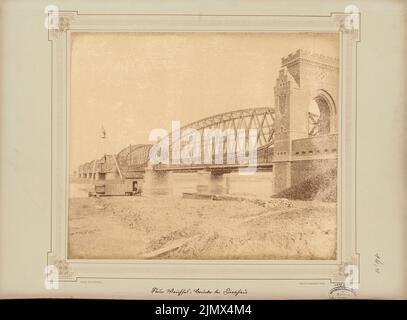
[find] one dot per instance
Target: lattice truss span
(133, 156)
(229, 123)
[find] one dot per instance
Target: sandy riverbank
(160, 227)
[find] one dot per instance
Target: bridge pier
(213, 183)
(156, 182)
(112, 175)
(282, 176)
(100, 176)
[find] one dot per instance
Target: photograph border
(71, 270)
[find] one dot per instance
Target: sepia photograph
(203, 146)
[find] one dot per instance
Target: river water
(259, 184)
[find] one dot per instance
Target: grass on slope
(322, 187)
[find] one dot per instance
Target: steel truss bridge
(134, 159)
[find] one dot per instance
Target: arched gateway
(306, 99)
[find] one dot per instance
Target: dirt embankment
(322, 187)
(176, 228)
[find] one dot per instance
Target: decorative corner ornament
(63, 24)
(58, 22)
(62, 266)
(348, 272)
(349, 21)
(346, 280)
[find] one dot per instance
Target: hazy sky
(132, 83)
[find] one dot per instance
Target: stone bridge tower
(302, 135)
